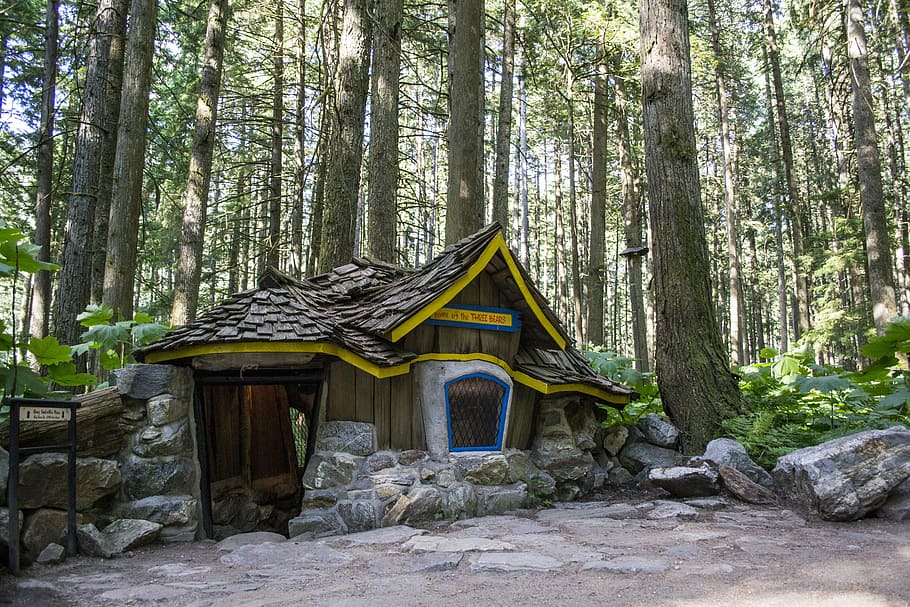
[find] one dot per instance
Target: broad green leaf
(107, 335)
(66, 375)
(48, 350)
(110, 360)
(6, 342)
(825, 384)
(768, 353)
(147, 332)
(896, 400)
(786, 365)
(24, 257)
(95, 315)
(142, 318)
(83, 348)
(27, 381)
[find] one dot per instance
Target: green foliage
(796, 403)
(115, 341)
(620, 369)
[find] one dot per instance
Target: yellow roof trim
(374, 369)
(497, 244)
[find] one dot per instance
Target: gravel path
(636, 552)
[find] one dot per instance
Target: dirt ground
(624, 550)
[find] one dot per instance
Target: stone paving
(655, 552)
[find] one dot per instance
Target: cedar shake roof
(364, 308)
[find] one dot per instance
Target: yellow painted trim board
(374, 369)
(497, 245)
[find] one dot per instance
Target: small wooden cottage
(450, 357)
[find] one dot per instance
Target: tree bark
(195, 200)
(696, 385)
(464, 203)
(126, 202)
(342, 184)
(504, 124)
(383, 186)
(41, 290)
(296, 258)
(276, 162)
(578, 315)
(75, 278)
(597, 244)
(868, 160)
(801, 282)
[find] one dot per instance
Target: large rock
(316, 523)
(330, 469)
(42, 480)
(360, 515)
(636, 457)
(147, 477)
(615, 439)
(505, 498)
(658, 431)
(729, 452)
(356, 438)
(143, 382)
(91, 542)
(422, 503)
(897, 506)
(846, 478)
(685, 481)
(128, 534)
(460, 501)
(170, 439)
(165, 409)
(583, 423)
(166, 510)
(554, 448)
(42, 528)
(490, 469)
(4, 474)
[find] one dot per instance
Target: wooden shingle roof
(360, 312)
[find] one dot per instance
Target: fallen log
(98, 431)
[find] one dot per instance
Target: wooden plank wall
(521, 418)
(354, 395)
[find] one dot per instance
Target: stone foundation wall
(350, 486)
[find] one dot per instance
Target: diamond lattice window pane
(475, 411)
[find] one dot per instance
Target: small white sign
(44, 414)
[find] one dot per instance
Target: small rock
(635, 457)
(685, 481)
(91, 542)
(729, 452)
(406, 458)
(743, 488)
(53, 554)
(615, 439)
(128, 534)
(484, 469)
(664, 509)
(658, 431)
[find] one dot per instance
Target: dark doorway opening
(254, 437)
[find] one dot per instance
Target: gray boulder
(91, 542)
(686, 481)
(658, 431)
(743, 487)
(460, 501)
(356, 438)
(165, 409)
(42, 480)
(170, 439)
(330, 469)
(4, 474)
(422, 503)
(53, 554)
(318, 522)
(638, 456)
(490, 469)
(505, 498)
(142, 382)
(897, 506)
(615, 439)
(729, 452)
(360, 515)
(163, 509)
(846, 478)
(128, 534)
(42, 528)
(147, 477)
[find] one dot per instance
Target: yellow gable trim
(498, 244)
(377, 371)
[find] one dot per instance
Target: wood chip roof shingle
(358, 307)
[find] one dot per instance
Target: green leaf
(896, 400)
(24, 257)
(110, 360)
(825, 384)
(107, 335)
(66, 375)
(95, 315)
(147, 332)
(27, 381)
(142, 318)
(48, 350)
(786, 365)
(768, 353)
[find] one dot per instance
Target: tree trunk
(727, 148)
(632, 223)
(276, 161)
(597, 244)
(296, 258)
(875, 225)
(801, 282)
(578, 314)
(41, 293)
(126, 201)
(696, 385)
(75, 276)
(383, 186)
(195, 200)
(464, 204)
(504, 126)
(345, 153)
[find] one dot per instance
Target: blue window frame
(476, 412)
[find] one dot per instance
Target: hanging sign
(477, 317)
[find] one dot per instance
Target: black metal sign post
(40, 410)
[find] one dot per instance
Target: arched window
(476, 409)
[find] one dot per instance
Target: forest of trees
(163, 153)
